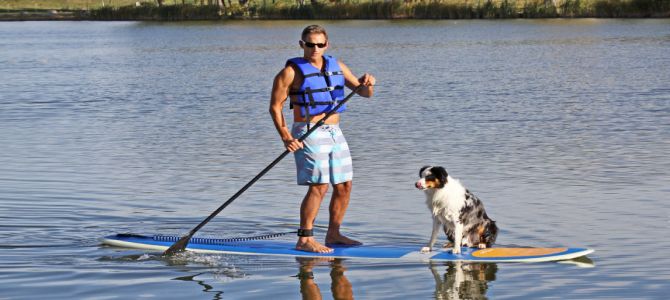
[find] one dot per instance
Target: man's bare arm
(280, 91)
(352, 82)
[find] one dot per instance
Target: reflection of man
(340, 285)
(463, 280)
(315, 83)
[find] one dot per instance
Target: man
(314, 83)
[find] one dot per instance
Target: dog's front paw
(425, 249)
(456, 251)
(482, 246)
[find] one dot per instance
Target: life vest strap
(314, 103)
(324, 74)
(326, 89)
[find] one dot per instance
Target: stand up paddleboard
(287, 248)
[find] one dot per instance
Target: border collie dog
(460, 213)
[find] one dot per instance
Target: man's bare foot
(338, 239)
(311, 245)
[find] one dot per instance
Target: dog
(459, 212)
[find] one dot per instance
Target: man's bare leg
(338, 207)
(308, 211)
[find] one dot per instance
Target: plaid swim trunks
(325, 157)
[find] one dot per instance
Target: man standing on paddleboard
(314, 83)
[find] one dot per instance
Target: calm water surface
(562, 127)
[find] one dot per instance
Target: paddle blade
(179, 246)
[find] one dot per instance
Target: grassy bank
(284, 9)
(39, 5)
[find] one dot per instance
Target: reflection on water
(325, 278)
(206, 287)
(462, 280)
(340, 286)
(582, 262)
(453, 280)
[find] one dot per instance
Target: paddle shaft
(181, 244)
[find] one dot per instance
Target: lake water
(561, 127)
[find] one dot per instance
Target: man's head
(314, 41)
(313, 29)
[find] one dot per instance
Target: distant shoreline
(384, 10)
(46, 15)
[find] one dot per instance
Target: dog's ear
(423, 169)
(441, 174)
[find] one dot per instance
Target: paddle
(181, 244)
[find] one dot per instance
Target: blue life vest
(320, 90)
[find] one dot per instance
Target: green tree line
(344, 9)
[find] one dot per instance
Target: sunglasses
(312, 45)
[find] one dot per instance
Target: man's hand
(293, 145)
(367, 80)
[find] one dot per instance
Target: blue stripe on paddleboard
(266, 247)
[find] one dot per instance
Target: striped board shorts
(325, 157)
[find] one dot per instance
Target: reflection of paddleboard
(286, 248)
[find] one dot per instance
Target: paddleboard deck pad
(287, 248)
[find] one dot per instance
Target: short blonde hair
(313, 29)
